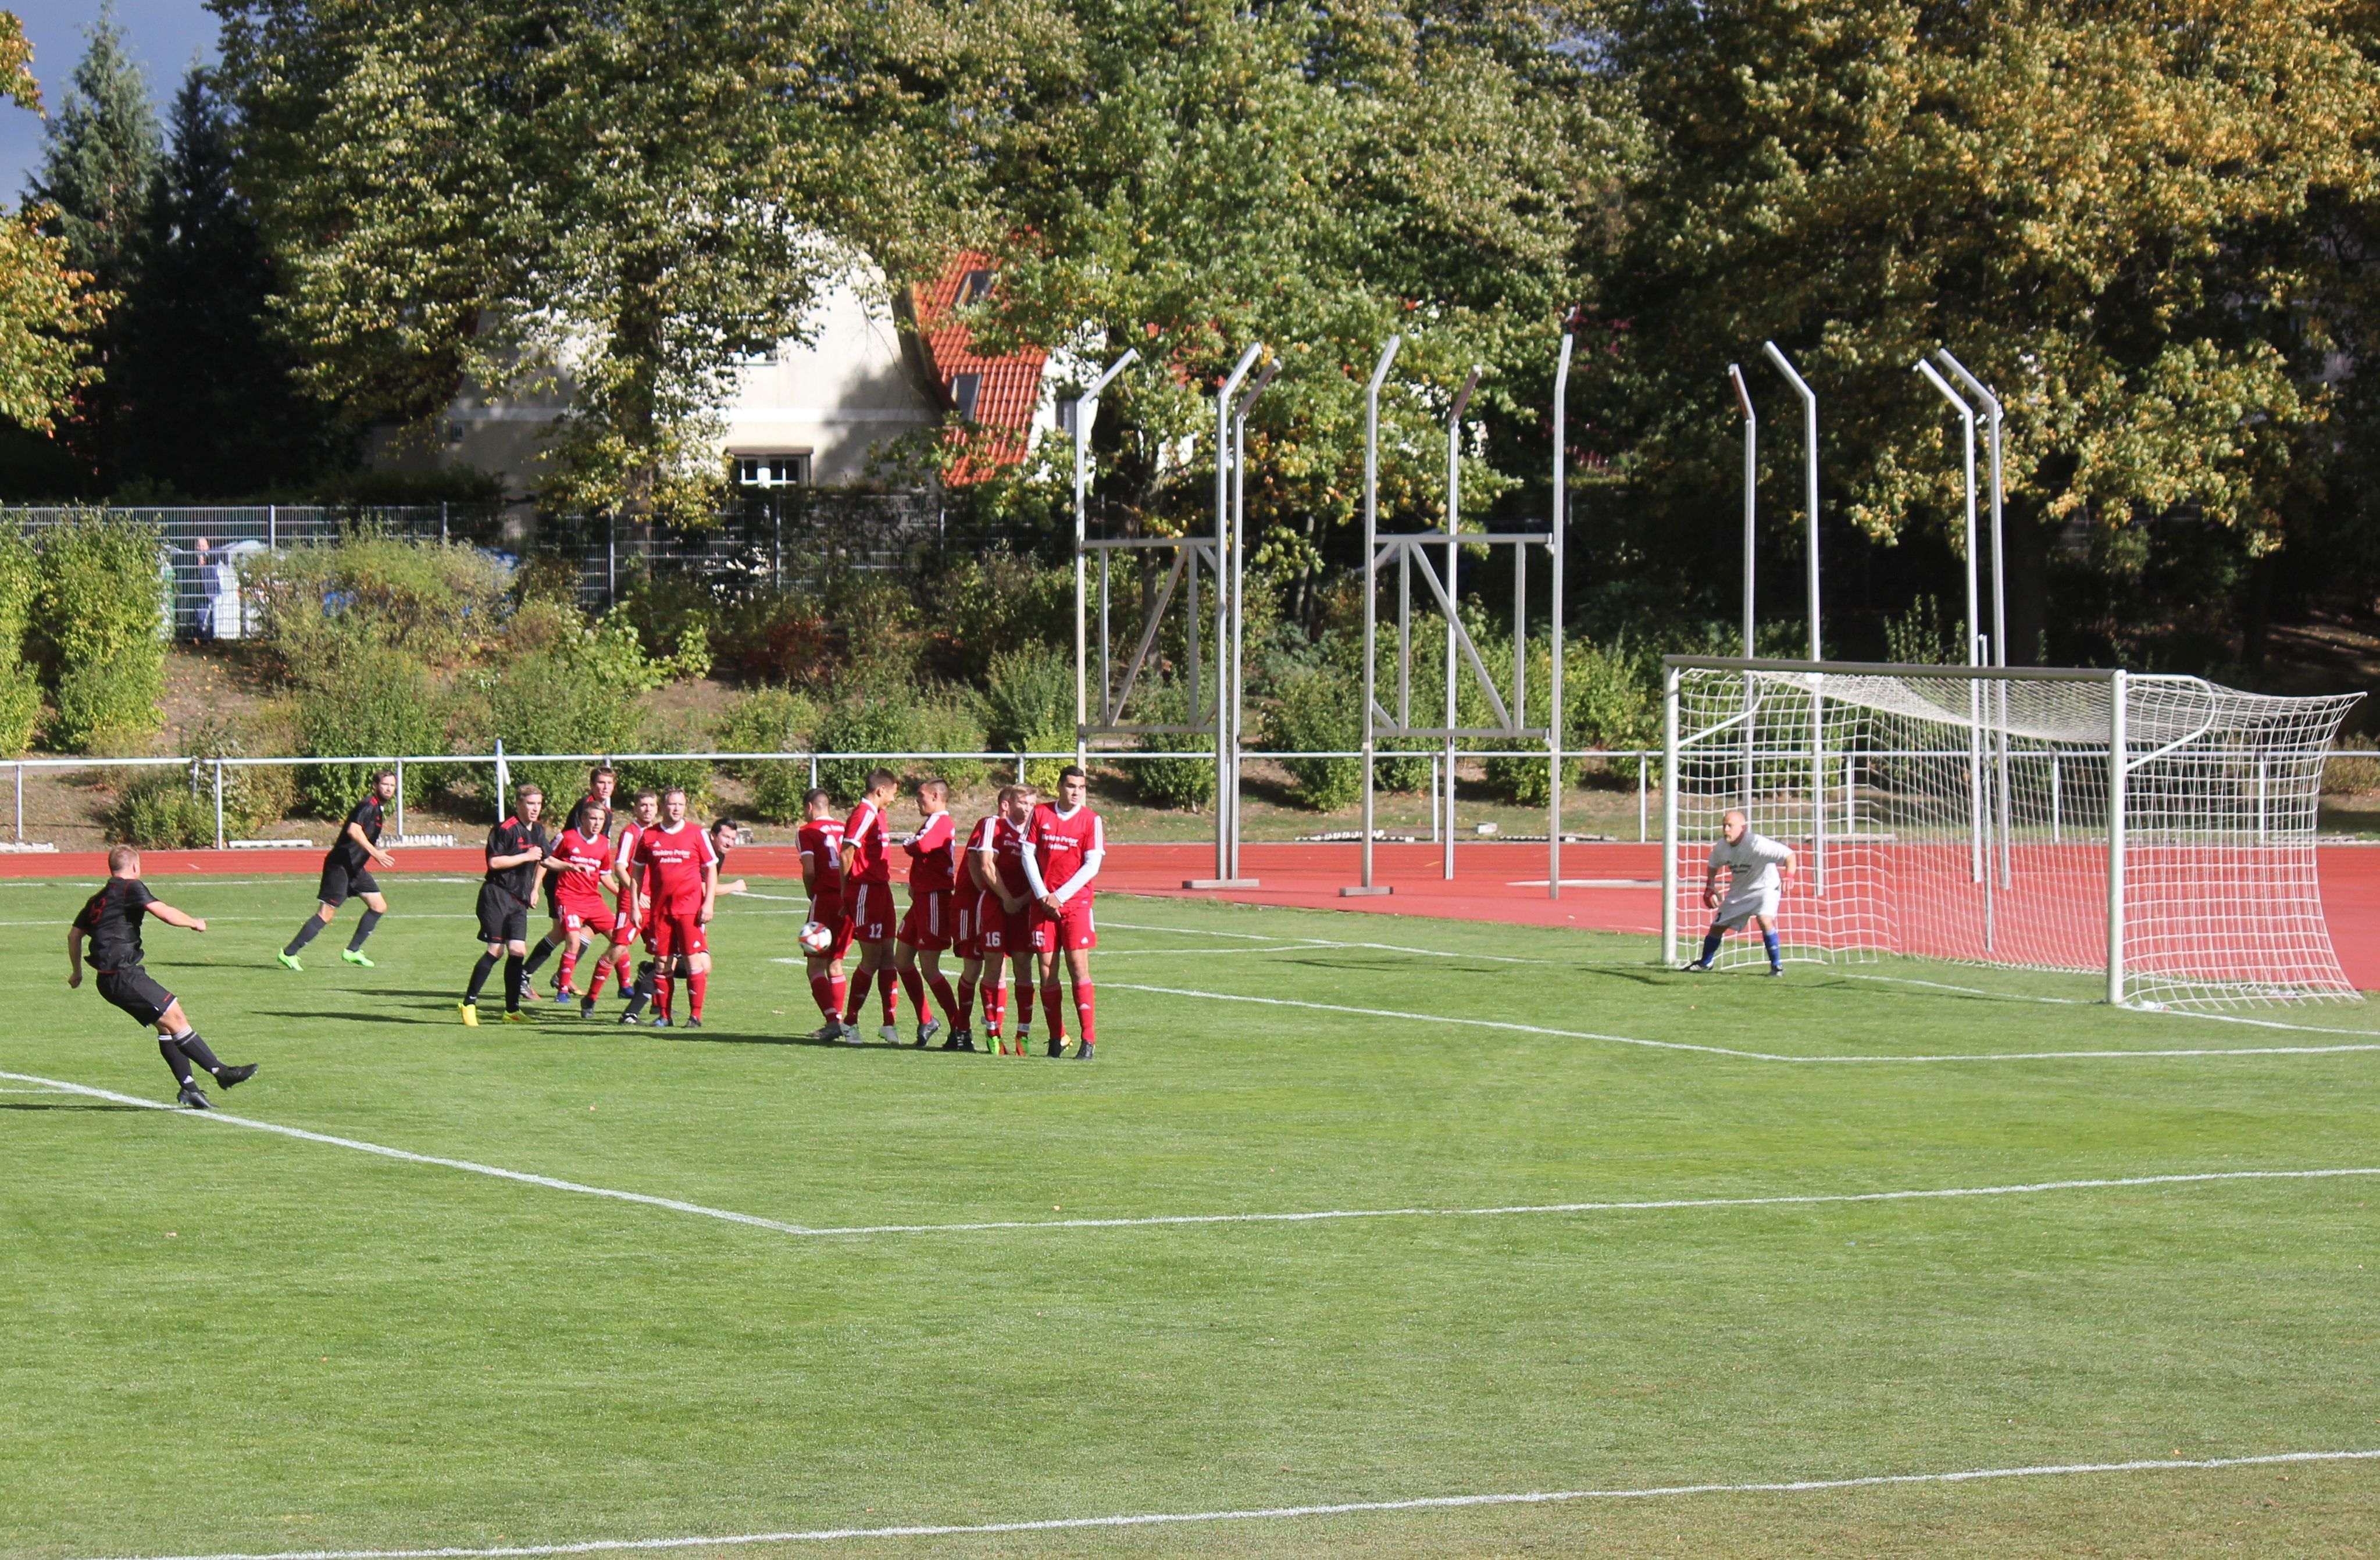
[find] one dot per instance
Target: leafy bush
(111, 704)
(996, 605)
(667, 611)
(2353, 767)
(695, 776)
(254, 796)
(542, 704)
(771, 720)
(441, 601)
(96, 617)
(1029, 700)
(1319, 708)
(774, 636)
(162, 809)
(862, 723)
(20, 693)
(1171, 782)
(368, 701)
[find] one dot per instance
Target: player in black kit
(346, 872)
(516, 852)
(111, 919)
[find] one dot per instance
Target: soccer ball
(816, 938)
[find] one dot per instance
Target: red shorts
(676, 931)
(1071, 927)
(871, 912)
(966, 922)
(928, 925)
(828, 913)
(596, 917)
(1004, 933)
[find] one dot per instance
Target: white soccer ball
(816, 938)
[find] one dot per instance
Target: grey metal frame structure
(1411, 552)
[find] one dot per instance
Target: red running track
(1493, 882)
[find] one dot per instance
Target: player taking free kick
(346, 874)
(1751, 863)
(111, 919)
(1069, 843)
(928, 927)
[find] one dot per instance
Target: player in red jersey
(636, 913)
(682, 877)
(967, 902)
(1007, 936)
(930, 927)
(581, 864)
(1069, 843)
(867, 884)
(821, 847)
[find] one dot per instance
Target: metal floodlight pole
(1977, 847)
(1992, 414)
(1371, 589)
(1454, 411)
(1818, 695)
(1085, 408)
(1751, 493)
(1554, 709)
(1225, 607)
(1239, 587)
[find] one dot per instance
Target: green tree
(619, 201)
(2099, 207)
(211, 405)
(43, 309)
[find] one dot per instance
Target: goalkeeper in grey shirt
(1750, 863)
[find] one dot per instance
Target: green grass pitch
(222, 1340)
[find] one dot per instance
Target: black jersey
(345, 851)
(511, 838)
(112, 918)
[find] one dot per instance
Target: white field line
(1509, 1027)
(1291, 1513)
(1318, 1217)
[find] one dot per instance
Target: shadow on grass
(28, 1105)
(348, 1017)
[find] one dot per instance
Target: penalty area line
(1292, 1513)
(1509, 1026)
(1164, 1220)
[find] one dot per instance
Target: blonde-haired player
(1751, 864)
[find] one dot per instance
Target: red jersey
(579, 891)
(979, 839)
(821, 843)
(673, 860)
(871, 844)
(1008, 847)
(630, 834)
(934, 856)
(1061, 840)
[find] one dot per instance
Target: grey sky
(166, 36)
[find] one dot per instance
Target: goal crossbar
(2158, 828)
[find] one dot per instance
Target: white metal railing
(211, 769)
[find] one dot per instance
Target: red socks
(1084, 1004)
(915, 984)
(966, 1002)
(887, 984)
(829, 1001)
(595, 981)
(696, 985)
(995, 1009)
(569, 967)
(1054, 1010)
(662, 985)
(951, 1004)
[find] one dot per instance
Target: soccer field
(1309, 1233)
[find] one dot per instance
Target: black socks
(514, 979)
(537, 956)
(306, 934)
(363, 929)
(479, 972)
(176, 1061)
(197, 1051)
(642, 991)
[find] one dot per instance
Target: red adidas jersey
(979, 838)
(821, 844)
(871, 844)
(579, 890)
(1061, 840)
(673, 860)
(934, 856)
(1008, 848)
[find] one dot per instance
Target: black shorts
(342, 882)
(133, 991)
(503, 917)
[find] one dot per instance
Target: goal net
(1982, 815)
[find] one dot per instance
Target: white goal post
(2158, 828)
